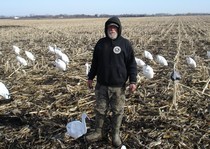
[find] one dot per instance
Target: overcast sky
(91, 7)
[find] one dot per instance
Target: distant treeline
(96, 16)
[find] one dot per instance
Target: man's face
(112, 31)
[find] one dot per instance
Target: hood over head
(113, 20)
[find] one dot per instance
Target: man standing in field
(113, 63)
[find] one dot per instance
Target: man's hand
(90, 84)
(132, 87)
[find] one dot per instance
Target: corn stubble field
(158, 115)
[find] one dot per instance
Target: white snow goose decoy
(61, 65)
(139, 62)
(161, 60)
(16, 50)
(30, 55)
(87, 65)
(208, 54)
(148, 55)
(21, 60)
(191, 62)
(4, 92)
(148, 72)
(77, 128)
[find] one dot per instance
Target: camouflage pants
(109, 97)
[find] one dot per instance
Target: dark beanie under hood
(115, 20)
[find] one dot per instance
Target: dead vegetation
(160, 114)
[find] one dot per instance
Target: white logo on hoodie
(117, 50)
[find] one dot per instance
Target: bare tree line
(61, 16)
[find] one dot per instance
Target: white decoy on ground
(148, 55)
(30, 55)
(51, 49)
(191, 62)
(64, 57)
(58, 53)
(54, 49)
(16, 50)
(4, 92)
(161, 60)
(139, 62)
(77, 128)
(61, 65)
(87, 65)
(208, 54)
(148, 72)
(21, 60)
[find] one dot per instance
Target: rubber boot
(97, 134)
(116, 123)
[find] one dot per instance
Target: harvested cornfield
(161, 113)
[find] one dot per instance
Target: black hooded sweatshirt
(113, 60)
